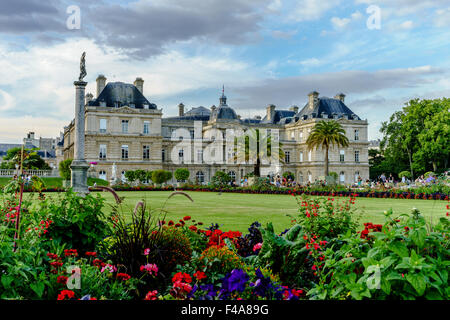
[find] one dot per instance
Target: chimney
(340, 96)
(294, 108)
(313, 99)
(181, 110)
(89, 97)
(139, 83)
(101, 83)
(270, 112)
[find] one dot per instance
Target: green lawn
(56, 182)
(234, 211)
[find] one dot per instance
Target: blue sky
(263, 51)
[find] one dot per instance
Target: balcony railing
(39, 173)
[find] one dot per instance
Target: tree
(31, 160)
(161, 176)
(288, 175)
(418, 135)
(64, 169)
(140, 175)
(263, 143)
(130, 176)
(220, 179)
(326, 134)
(182, 174)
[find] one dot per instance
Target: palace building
(124, 131)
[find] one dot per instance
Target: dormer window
(146, 106)
(116, 104)
(132, 105)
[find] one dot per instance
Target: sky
(379, 53)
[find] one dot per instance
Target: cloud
(341, 23)
(7, 101)
(406, 25)
(294, 90)
(310, 10)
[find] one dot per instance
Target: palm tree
(253, 137)
(326, 134)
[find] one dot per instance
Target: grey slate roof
(124, 93)
(279, 114)
(329, 106)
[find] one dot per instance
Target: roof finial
(223, 90)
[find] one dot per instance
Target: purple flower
(235, 281)
(210, 289)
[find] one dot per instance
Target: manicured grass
(234, 211)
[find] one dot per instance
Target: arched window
(300, 178)
(102, 175)
(356, 176)
(232, 175)
(200, 176)
(342, 177)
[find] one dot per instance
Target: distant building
(124, 131)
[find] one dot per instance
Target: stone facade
(132, 134)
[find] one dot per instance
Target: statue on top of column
(83, 72)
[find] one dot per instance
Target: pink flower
(147, 251)
(150, 268)
(109, 268)
(257, 246)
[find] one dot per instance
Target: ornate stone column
(79, 165)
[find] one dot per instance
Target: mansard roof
(278, 116)
(118, 94)
(328, 106)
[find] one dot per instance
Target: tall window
(356, 134)
(342, 177)
(200, 177)
(300, 177)
(200, 156)
(309, 176)
(102, 125)
(301, 135)
(146, 152)
(356, 156)
(309, 155)
(102, 175)
(181, 155)
(287, 156)
(163, 155)
(102, 152)
(146, 127)
(232, 175)
(301, 156)
(342, 156)
(124, 126)
(293, 135)
(124, 151)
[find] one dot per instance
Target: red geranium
(69, 294)
(200, 275)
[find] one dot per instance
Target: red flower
(62, 279)
(52, 255)
(193, 228)
(123, 276)
(186, 218)
(152, 295)
(200, 275)
(70, 252)
(91, 254)
(69, 294)
(181, 276)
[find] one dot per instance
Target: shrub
(161, 176)
(288, 175)
(181, 174)
(130, 176)
(406, 260)
(326, 217)
(219, 260)
(220, 179)
(429, 174)
(64, 169)
(77, 222)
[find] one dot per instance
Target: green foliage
(77, 222)
(325, 135)
(405, 174)
(326, 217)
(64, 169)
(181, 174)
(288, 175)
(416, 137)
(429, 174)
(161, 176)
(219, 260)
(31, 160)
(406, 260)
(130, 175)
(285, 255)
(220, 179)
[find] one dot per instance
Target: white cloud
(406, 25)
(7, 101)
(309, 10)
(339, 23)
(441, 18)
